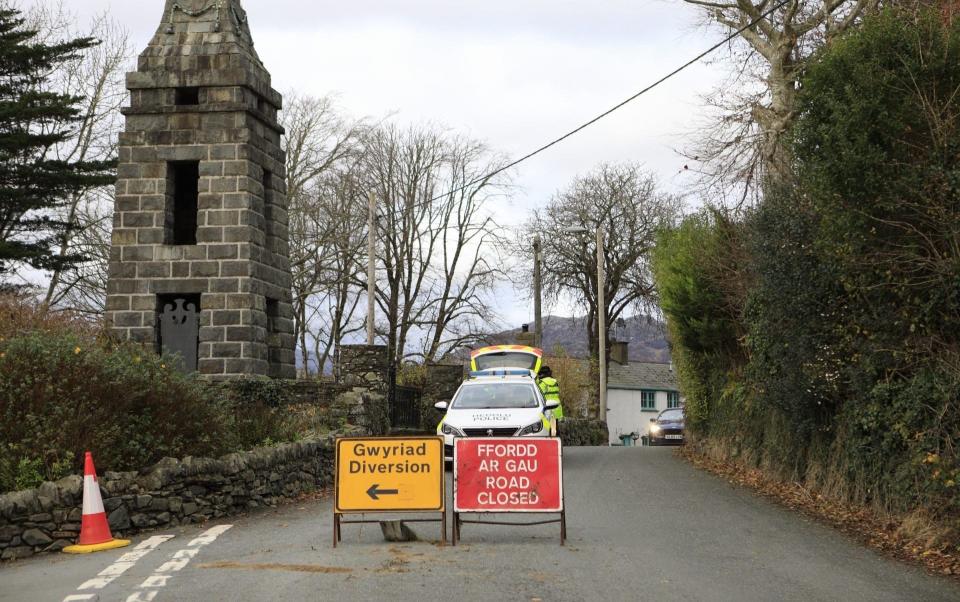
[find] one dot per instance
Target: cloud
(515, 74)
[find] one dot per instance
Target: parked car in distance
(667, 428)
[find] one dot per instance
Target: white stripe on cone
(92, 502)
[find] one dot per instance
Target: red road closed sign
(518, 474)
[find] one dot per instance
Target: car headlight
(655, 428)
(536, 427)
(446, 429)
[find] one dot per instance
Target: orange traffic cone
(94, 528)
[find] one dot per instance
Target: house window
(673, 399)
(186, 97)
(648, 400)
(183, 185)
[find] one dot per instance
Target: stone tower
(200, 259)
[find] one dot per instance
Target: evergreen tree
(34, 120)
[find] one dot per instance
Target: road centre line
(149, 589)
(119, 567)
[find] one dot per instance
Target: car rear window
(499, 395)
(506, 359)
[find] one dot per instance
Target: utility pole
(602, 321)
(537, 294)
(371, 265)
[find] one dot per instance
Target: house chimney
(525, 328)
(619, 352)
(525, 337)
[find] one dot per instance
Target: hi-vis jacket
(551, 392)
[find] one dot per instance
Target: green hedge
(584, 432)
(818, 334)
(64, 393)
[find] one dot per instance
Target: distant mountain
(646, 337)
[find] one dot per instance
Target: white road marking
(149, 589)
(150, 544)
(209, 536)
(156, 581)
(119, 567)
(116, 569)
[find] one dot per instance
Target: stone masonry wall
(442, 382)
(171, 493)
(366, 365)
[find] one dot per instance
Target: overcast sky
(514, 73)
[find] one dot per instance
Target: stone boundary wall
(170, 493)
(442, 382)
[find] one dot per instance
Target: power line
(617, 107)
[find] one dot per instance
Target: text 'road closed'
(388, 474)
(507, 475)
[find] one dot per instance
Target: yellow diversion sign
(390, 474)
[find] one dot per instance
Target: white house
(637, 392)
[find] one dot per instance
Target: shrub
(62, 393)
(259, 412)
(697, 272)
(65, 388)
(20, 314)
(584, 432)
(575, 384)
(837, 360)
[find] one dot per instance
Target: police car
(495, 403)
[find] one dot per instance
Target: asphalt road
(643, 525)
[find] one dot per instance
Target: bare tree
(99, 79)
(401, 168)
(343, 211)
(742, 147)
(435, 246)
(623, 202)
(326, 223)
(468, 267)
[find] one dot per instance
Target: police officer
(551, 392)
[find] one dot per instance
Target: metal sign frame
(459, 521)
(338, 512)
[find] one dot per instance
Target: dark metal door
(179, 330)
(405, 408)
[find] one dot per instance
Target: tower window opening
(183, 194)
(186, 97)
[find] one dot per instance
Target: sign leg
(443, 528)
(336, 528)
(563, 527)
